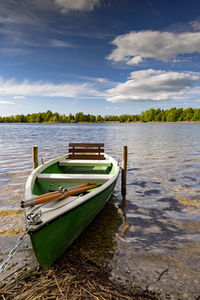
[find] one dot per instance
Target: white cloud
(15, 19)
(2, 101)
(42, 89)
(61, 44)
(78, 5)
(195, 25)
(135, 46)
(14, 51)
(134, 60)
(18, 97)
(153, 85)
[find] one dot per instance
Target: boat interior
(80, 170)
(85, 163)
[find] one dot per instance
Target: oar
(58, 192)
(60, 196)
(51, 196)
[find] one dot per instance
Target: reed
(72, 278)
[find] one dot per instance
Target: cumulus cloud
(44, 89)
(153, 85)
(134, 46)
(78, 5)
(134, 60)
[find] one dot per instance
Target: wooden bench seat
(86, 151)
(88, 178)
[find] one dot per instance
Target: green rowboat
(70, 193)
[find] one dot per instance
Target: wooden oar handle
(49, 196)
(70, 192)
(57, 195)
(59, 190)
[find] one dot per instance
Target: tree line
(150, 115)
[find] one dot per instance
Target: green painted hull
(51, 240)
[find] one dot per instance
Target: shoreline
(151, 115)
(105, 122)
(72, 277)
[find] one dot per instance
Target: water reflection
(122, 210)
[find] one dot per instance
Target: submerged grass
(4, 213)
(71, 278)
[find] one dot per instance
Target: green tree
(56, 117)
(64, 118)
(188, 114)
(39, 118)
(142, 117)
(20, 118)
(99, 118)
(171, 115)
(71, 118)
(149, 115)
(196, 116)
(32, 118)
(79, 117)
(179, 114)
(48, 116)
(9, 119)
(123, 118)
(91, 118)
(158, 115)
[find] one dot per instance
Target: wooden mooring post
(124, 169)
(35, 156)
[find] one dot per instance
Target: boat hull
(51, 240)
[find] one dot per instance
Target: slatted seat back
(86, 151)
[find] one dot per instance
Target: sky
(98, 56)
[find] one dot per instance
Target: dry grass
(71, 278)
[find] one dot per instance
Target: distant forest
(150, 115)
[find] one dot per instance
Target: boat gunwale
(76, 203)
(32, 231)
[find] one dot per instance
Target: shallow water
(155, 235)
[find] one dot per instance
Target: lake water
(153, 240)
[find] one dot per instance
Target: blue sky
(97, 56)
